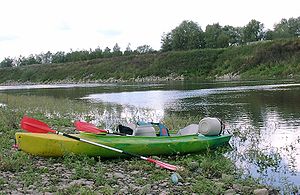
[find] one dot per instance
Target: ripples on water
(267, 145)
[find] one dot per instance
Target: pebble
(119, 175)
(230, 192)
(174, 178)
(164, 184)
(163, 193)
(123, 191)
(145, 190)
(80, 182)
(135, 172)
(262, 191)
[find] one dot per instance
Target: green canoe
(55, 145)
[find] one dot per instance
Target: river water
(264, 116)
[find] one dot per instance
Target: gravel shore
(123, 176)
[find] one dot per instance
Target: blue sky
(36, 26)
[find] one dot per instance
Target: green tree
(287, 28)
(46, 57)
(269, 34)
(166, 42)
(106, 52)
(234, 34)
(188, 35)
(253, 31)
(215, 37)
(144, 49)
(75, 56)
(117, 50)
(59, 57)
(97, 53)
(31, 59)
(7, 62)
(128, 50)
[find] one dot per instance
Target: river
(264, 115)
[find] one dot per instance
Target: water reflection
(266, 118)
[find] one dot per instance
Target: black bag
(125, 130)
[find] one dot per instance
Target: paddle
(36, 126)
(90, 128)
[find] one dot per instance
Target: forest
(187, 36)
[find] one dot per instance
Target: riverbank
(262, 60)
(209, 172)
(150, 79)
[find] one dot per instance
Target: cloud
(64, 26)
(7, 38)
(109, 32)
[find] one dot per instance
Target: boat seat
(144, 130)
(191, 129)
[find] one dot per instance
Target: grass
(209, 172)
(266, 59)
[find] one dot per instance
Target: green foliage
(76, 189)
(117, 50)
(206, 186)
(7, 62)
(166, 42)
(280, 57)
(143, 49)
(14, 161)
(234, 34)
(188, 35)
(287, 28)
(216, 37)
(253, 31)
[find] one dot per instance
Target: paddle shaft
(162, 164)
(96, 144)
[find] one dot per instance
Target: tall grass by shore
(261, 60)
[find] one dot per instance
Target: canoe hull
(51, 145)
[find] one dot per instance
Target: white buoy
(210, 126)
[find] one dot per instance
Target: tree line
(188, 35)
(73, 56)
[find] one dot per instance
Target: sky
(37, 26)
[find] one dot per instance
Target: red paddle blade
(88, 127)
(163, 164)
(35, 126)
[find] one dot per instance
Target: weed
(204, 185)
(107, 190)
(14, 162)
(30, 177)
(76, 189)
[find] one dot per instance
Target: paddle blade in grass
(88, 127)
(163, 164)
